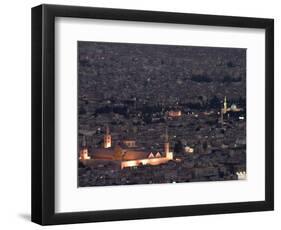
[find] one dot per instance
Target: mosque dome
(233, 107)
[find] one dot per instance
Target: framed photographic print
(142, 114)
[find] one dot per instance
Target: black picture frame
(43, 110)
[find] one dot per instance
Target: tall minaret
(224, 105)
(107, 139)
(168, 154)
(84, 154)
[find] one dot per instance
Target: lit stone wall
(148, 161)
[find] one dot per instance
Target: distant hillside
(159, 73)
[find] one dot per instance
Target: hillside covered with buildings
(143, 98)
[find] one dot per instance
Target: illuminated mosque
(226, 110)
(126, 153)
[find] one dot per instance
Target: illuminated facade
(188, 150)
(151, 159)
(174, 113)
(107, 139)
(127, 153)
(84, 154)
(241, 175)
(130, 142)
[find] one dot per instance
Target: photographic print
(152, 103)
(150, 114)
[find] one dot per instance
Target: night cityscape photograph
(153, 113)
